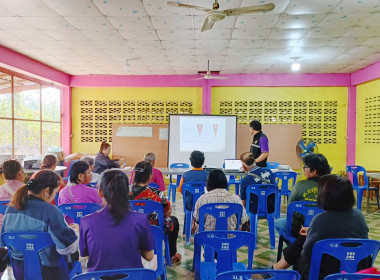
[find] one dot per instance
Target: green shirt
(305, 190)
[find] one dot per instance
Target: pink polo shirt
(157, 178)
(7, 191)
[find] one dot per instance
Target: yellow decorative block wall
(94, 110)
(322, 111)
(368, 125)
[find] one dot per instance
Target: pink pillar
(66, 128)
(206, 98)
(351, 125)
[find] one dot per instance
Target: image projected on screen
(208, 133)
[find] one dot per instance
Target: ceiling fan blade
(219, 78)
(208, 24)
(175, 4)
(250, 9)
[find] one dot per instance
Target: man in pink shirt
(157, 176)
(14, 174)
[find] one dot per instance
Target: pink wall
(351, 126)
(367, 74)
(66, 121)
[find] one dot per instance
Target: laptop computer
(232, 165)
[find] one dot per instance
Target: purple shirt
(263, 142)
(80, 194)
(157, 178)
(111, 246)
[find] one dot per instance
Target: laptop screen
(232, 164)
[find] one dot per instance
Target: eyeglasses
(305, 167)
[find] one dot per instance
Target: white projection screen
(214, 135)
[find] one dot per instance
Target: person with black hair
(115, 237)
(102, 159)
(30, 210)
(315, 166)
(260, 145)
(140, 190)
(78, 191)
(197, 174)
(217, 193)
(340, 220)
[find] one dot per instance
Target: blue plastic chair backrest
(349, 257)
(147, 207)
(159, 239)
(355, 170)
(68, 172)
(196, 189)
(307, 208)
(120, 274)
(272, 164)
(247, 274)
(30, 244)
(225, 243)
(352, 276)
(262, 192)
(179, 165)
(221, 212)
(3, 206)
(285, 177)
(154, 185)
(78, 210)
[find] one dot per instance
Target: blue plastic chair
(225, 243)
(260, 209)
(221, 212)
(196, 190)
(275, 274)
(3, 206)
(121, 274)
(154, 185)
(349, 257)
(352, 276)
(78, 210)
(172, 189)
(272, 164)
(284, 178)
(308, 209)
(150, 206)
(67, 179)
(30, 244)
(355, 170)
(234, 180)
(159, 238)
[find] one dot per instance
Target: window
(30, 117)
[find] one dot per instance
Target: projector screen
(213, 135)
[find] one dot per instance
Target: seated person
(78, 191)
(254, 175)
(115, 237)
(340, 220)
(14, 176)
(157, 176)
(95, 176)
(140, 190)
(30, 210)
(217, 192)
(102, 160)
(315, 166)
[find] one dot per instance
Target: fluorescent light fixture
(295, 65)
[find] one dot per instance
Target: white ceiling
(82, 37)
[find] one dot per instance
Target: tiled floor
(263, 257)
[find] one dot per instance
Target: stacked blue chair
(349, 257)
(30, 244)
(120, 274)
(3, 206)
(172, 189)
(308, 209)
(147, 207)
(154, 185)
(221, 212)
(272, 164)
(195, 190)
(352, 276)
(78, 210)
(225, 243)
(284, 178)
(159, 238)
(355, 170)
(273, 274)
(264, 196)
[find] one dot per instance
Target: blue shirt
(263, 172)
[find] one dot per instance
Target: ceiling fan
(208, 75)
(214, 14)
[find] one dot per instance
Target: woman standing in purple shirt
(115, 237)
